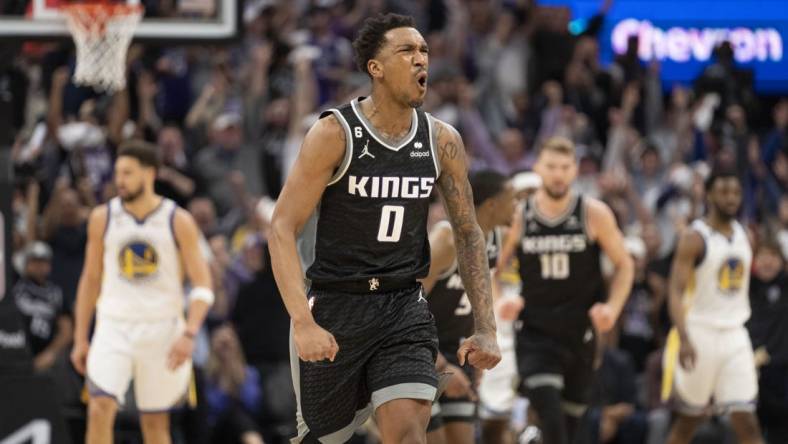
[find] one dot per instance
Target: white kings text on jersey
(371, 221)
(390, 187)
(554, 243)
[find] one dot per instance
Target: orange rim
(99, 13)
(101, 9)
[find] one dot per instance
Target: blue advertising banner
(681, 35)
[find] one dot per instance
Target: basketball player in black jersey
(558, 238)
(454, 414)
(366, 340)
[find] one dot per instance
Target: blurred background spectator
(47, 318)
(232, 391)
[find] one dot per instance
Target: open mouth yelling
(421, 80)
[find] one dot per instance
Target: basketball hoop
(102, 33)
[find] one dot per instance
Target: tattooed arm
(481, 349)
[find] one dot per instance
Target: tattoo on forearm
(469, 240)
(475, 273)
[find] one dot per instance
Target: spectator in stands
(214, 99)
(628, 66)
(15, 81)
(658, 409)
(24, 207)
(587, 85)
(761, 193)
(86, 128)
(47, 321)
(204, 212)
(648, 176)
(680, 202)
(777, 139)
(673, 133)
(333, 54)
(175, 179)
(64, 228)
(174, 72)
(219, 264)
(656, 275)
(552, 43)
(243, 268)
(618, 417)
(148, 122)
(638, 333)
(263, 327)
(769, 333)
(226, 154)
(232, 392)
(732, 83)
(278, 115)
(782, 225)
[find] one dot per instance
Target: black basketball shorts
(543, 360)
(387, 349)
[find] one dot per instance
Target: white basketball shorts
(123, 350)
(497, 387)
(724, 374)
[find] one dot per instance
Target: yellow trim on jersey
(510, 274)
(191, 394)
(670, 358)
(669, 361)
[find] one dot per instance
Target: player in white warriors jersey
(139, 246)
(709, 304)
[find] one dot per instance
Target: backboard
(164, 20)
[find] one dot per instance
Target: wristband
(204, 294)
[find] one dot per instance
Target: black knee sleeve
(547, 403)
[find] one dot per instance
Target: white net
(102, 34)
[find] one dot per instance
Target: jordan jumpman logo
(365, 151)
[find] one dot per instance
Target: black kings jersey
(372, 219)
(560, 271)
(450, 304)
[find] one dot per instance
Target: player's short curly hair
(372, 36)
(486, 184)
(719, 173)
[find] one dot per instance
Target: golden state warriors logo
(730, 278)
(138, 260)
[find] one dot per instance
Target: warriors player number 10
(555, 265)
